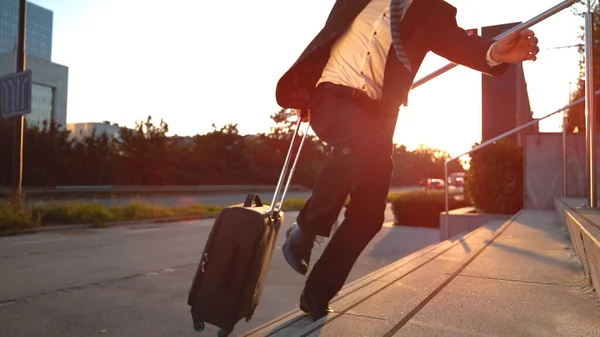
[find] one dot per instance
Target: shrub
(16, 221)
(73, 213)
(422, 208)
(495, 178)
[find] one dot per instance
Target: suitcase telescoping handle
(288, 172)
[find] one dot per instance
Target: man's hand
(304, 114)
(516, 47)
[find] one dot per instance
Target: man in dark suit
(353, 77)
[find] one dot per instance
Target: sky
(195, 63)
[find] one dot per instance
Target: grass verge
(70, 213)
(14, 221)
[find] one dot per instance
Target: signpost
(17, 99)
(15, 94)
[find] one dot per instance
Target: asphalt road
(134, 281)
(208, 199)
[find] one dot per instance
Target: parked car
(436, 184)
(457, 179)
(432, 183)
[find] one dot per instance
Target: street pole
(19, 121)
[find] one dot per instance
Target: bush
(422, 208)
(14, 222)
(73, 213)
(495, 178)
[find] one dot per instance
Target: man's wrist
(492, 57)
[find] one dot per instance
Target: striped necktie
(396, 11)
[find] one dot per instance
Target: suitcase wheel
(223, 333)
(199, 325)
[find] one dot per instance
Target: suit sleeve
(450, 41)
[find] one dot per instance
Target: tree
(283, 122)
(145, 155)
(576, 115)
(95, 154)
(222, 157)
(46, 154)
(412, 166)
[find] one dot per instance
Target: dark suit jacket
(429, 25)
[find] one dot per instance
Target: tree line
(146, 155)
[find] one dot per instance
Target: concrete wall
(46, 73)
(505, 99)
(543, 168)
(465, 220)
(584, 232)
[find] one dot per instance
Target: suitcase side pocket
(201, 270)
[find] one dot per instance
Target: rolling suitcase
(236, 258)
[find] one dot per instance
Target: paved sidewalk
(520, 278)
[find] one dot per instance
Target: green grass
(85, 212)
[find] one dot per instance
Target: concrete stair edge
(372, 277)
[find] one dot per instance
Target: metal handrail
(493, 140)
(550, 12)
(590, 111)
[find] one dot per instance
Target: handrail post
(446, 196)
(590, 108)
(497, 138)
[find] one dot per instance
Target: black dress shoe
(297, 249)
(314, 306)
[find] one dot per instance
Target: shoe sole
(288, 255)
(307, 311)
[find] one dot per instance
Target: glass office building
(50, 80)
(38, 39)
(42, 100)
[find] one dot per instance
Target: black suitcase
(236, 258)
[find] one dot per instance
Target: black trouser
(360, 165)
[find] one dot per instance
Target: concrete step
(411, 279)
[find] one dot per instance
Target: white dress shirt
(358, 57)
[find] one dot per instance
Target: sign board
(15, 94)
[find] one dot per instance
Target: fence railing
(589, 99)
(499, 137)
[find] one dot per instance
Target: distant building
(50, 80)
(50, 88)
(83, 130)
(38, 35)
(183, 140)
